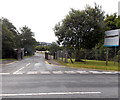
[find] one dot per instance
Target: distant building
(44, 44)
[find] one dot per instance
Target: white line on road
(45, 72)
(28, 64)
(57, 72)
(19, 73)
(70, 72)
(4, 73)
(82, 72)
(32, 72)
(95, 72)
(50, 93)
(20, 69)
(108, 72)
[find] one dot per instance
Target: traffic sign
(112, 38)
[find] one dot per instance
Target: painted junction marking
(51, 93)
(59, 72)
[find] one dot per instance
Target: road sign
(112, 38)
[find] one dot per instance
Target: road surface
(33, 77)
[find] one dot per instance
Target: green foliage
(112, 22)
(27, 40)
(9, 34)
(54, 47)
(118, 22)
(42, 48)
(12, 39)
(81, 29)
(118, 56)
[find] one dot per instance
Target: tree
(9, 38)
(27, 40)
(81, 29)
(54, 47)
(112, 22)
(42, 48)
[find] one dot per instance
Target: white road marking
(116, 72)
(50, 93)
(45, 72)
(107, 72)
(19, 73)
(32, 72)
(96, 72)
(20, 69)
(82, 72)
(57, 72)
(28, 64)
(70, 72)
(4, 73)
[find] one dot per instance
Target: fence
(94, 54)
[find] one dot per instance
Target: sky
(42, 15)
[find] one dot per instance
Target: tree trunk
(77, 56)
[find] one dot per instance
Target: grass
(93, 64)
(28, 56)
(7, 59)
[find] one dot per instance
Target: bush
(118, 56)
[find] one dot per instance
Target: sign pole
(115, 56)
(107, 57)
(111, 39)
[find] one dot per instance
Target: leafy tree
(112, 22)
(42, 48)
(9, 41)
(27, 40)
(81, 29)
(54, 47)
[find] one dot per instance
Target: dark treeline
(13, 39)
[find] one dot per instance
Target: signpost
(111, 40)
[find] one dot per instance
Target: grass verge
(92, 64)
(7, 59)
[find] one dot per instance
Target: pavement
(51, 61)
(34, 77)
(7, 61)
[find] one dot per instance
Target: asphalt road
(33, 77)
